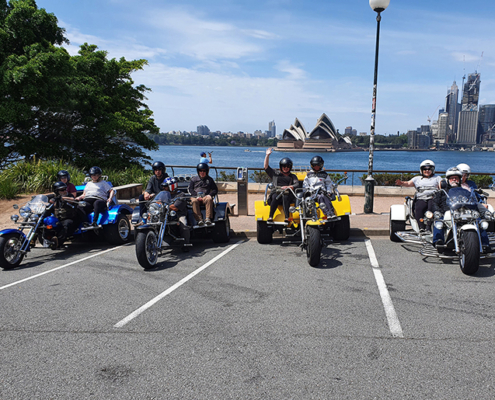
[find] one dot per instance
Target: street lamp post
(369, 183)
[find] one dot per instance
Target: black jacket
(206, 185)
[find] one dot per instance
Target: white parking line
(143, 308)
(393, 320)
(63, 266)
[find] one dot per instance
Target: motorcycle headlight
(25, 212)
(14, 217)
(155, 209)
(475, 214)
(438, 224)
(173, 213)
(292, 209)
(488, 215)
(34, 217)
(484, 225)
(429, 214)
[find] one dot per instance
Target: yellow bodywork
(262, 212)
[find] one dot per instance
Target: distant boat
(247, 150)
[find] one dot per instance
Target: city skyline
(235, 66)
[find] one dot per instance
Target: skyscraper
(452, 107)
(486, 120)
(272, 128)
(467, 132)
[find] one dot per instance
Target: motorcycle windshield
(38, 203)
(163, 197)
(460, 197)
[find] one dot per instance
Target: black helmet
(62, 173)
(317, 160)
(158, 165)
(59, 187)
(286, 162)
(203, 166)
(95, 171)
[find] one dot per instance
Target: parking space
(242, 319)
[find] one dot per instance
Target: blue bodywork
(8, 231)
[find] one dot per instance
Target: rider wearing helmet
(453, 177)
(466, 183)
(64, 176)
(153, 186)
(98, 194)
(179, 205)
(202, 189)
(68, 214)
(283, 179)
(426, 185)
(318, 178)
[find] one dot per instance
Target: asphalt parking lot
(242, 320)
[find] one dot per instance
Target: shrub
(8, 189)
(387, 179)
(260, 177)
(482, 181)
(227, 176)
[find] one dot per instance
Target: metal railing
(354, 175)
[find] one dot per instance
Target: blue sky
(236, 65)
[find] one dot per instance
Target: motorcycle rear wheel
(10, 256)
(147, 248)
(469, 259)
(314, 245)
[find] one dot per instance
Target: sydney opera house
(324, 137)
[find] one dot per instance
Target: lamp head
(379, 5)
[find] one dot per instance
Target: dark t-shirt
(280, 179)
(154, 184)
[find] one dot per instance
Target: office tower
(272, 128)
(486, 118)
(452, 107)
(203, 130)
(442, 131)
(467, 131)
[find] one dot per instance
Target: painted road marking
(63, 266)
(155, 300)
(393, 320)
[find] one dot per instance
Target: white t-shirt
(426, 187)
(98, 189)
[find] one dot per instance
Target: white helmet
(427, 163)
(465, 169)
(454, 171)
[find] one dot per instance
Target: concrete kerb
(354, 232)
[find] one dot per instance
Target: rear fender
(315, 223)
(342, 207)
(398, 212)
(221, 211)
(110, 216)
(9, 231)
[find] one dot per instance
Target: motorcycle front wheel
(147, 248)
(10, 255)
(469, 259)
(313, 248)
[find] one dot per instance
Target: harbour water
(343, 161)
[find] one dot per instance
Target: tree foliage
(223, 140)
(84, 107)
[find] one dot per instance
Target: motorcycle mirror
(15, 206)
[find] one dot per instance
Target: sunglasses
(202, 170)
(427, 169)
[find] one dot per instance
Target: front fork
(161, 234)
(456, 239)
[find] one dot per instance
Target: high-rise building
(471, 93)
(467, 130)
(272, 128)
(203, 130)
(486, 118)
(452, 108)
(442, 126)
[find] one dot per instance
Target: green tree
(85, 108)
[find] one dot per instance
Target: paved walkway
(375, 224)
